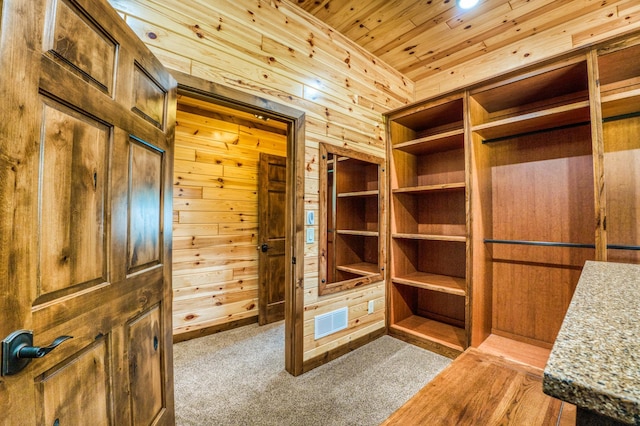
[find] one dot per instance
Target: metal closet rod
(559, 244)
(566, 126)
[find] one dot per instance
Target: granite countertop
(595, 361)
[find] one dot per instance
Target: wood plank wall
(548, 35)
(215, 230)
(273, 50)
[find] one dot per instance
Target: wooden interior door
(271, 238)
(85, 221)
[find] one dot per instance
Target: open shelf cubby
(553, 98)
(429, 235)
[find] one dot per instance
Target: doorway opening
(222, 256)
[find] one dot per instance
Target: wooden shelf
(362, 268)
(356, 232)
(560, 116)
(444, 334)
(433, 282)
(534, 91)
(430, 188)
(437, 117)
(428, 214)
(452, 238)
(370, 193)
(617, 104)
(434, 143)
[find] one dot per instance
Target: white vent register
(331, 322)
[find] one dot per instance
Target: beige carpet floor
(237, 377)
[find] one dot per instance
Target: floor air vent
(331, 322)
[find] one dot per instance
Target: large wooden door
(271, 237)
(85, 216)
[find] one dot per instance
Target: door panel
(85, 228)
(145, 367)
(74, 39)
(145, 170)
(148, 97)
(272, 262)
(74, 173)
(57, 392)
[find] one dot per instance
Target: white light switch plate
(310, 217)
(310, 235)
(371, 306)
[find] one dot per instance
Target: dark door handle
(264, 248)
(18, 350)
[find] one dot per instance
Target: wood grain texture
(478, 388)
(429, 209)
(622, 177)
(145, 366)
(276, 51)
(272, 263)
(351, 211)
(75, 173)
(435, 44)
(65, 169)
(58, 389)
(532, 286)
(216, 227)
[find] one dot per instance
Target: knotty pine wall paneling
(273, 50)
(215, 261)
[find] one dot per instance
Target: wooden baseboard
(205, 331)
(312, 363)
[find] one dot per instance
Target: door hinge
(293, 260)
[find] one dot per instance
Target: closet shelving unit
(352, 208)
(356, 218)
(501, 193)
(428, 290)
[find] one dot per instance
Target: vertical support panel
(145, 367)
(78, 391)
(145, 195)
(597, 138)
(73, 185)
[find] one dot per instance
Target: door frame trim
(295, 119)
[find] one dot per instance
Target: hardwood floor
(480, 388)
(513, 350)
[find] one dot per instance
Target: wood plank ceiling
(420, 38)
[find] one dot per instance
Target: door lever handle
(18, 350)
(38, 352)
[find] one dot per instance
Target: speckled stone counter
(595, 361)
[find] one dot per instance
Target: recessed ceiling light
(466, 4)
